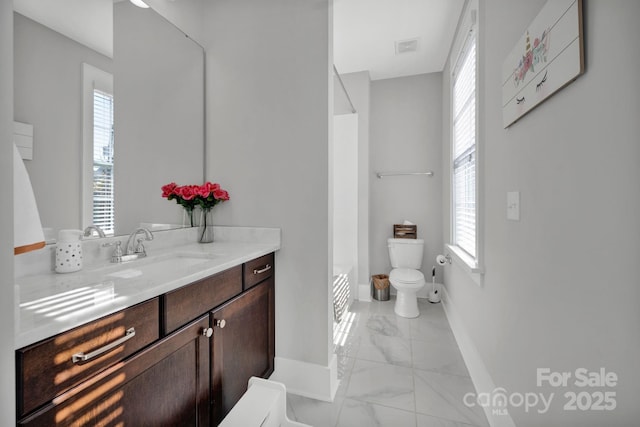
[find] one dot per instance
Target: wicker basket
(401, 231)
(380, 287)
(380, 281)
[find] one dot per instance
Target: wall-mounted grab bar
(384, 174)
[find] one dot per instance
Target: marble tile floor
(394, 372)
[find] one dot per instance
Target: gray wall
(159, 115)
(561, 285)
(48, 95)
(7, 302)
(268, 94)
(186, 15)
(406, 123)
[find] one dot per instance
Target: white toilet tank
(406, 253)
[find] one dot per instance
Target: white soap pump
(69, 251)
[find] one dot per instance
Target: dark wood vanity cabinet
(243, 345)
(47, 369)
(193, 353)
(186, 303)
(166, 384)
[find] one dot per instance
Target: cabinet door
(244, 347)
(166, 384)
(48, 369)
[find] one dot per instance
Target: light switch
(513, 205)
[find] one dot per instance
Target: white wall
(345, 196)
(358, 86)
(561, 285)
(7, 358)
(406, 117)
(268, 92)
(48, 67)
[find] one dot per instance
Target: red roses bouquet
(206, 195)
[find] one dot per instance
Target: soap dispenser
(69, 251)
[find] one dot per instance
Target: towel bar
(384, 174)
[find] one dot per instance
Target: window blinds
(103, 197)
(464, 148)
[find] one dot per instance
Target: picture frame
(548, 57)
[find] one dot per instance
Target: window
(97, 149)
(464, 155)
(103, 197)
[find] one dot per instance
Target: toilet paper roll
(441, 260)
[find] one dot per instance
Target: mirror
(158, 110)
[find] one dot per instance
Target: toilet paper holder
(443, 259)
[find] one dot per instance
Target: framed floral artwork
(548, 56)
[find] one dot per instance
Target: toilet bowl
(406, 278)
(407, 282)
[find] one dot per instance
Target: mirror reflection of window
(103, 144)
(98, 149)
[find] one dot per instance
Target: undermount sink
(164, 265)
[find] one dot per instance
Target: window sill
(467, 263)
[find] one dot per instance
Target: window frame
(103, 214)
(471, 264)
(459, 161)
(92, 78)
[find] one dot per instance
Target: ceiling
(365, 33)
(87, 22)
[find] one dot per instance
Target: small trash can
(380, 283)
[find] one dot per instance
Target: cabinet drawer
(165, 384)
(255, 271)
(185, 304)
(46, 369)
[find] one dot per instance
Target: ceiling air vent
(406, 46)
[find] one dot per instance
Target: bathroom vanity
(172, 340)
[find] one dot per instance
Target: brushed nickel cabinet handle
(262, 270)
(80, 358)
(207, 332)
(220, 323)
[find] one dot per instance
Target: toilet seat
(406, 275)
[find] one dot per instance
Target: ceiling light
(140, 3)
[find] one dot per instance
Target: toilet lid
(406, 275)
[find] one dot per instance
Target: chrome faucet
(139, 247)
(90, 229)
(130, 252)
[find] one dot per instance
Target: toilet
(406, 278)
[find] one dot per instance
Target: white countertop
(48, 304)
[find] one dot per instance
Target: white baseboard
(308, 379)
(364, 292)
(477, 369)
(424, 292)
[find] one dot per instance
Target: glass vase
(188, 217)
(205, 226)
